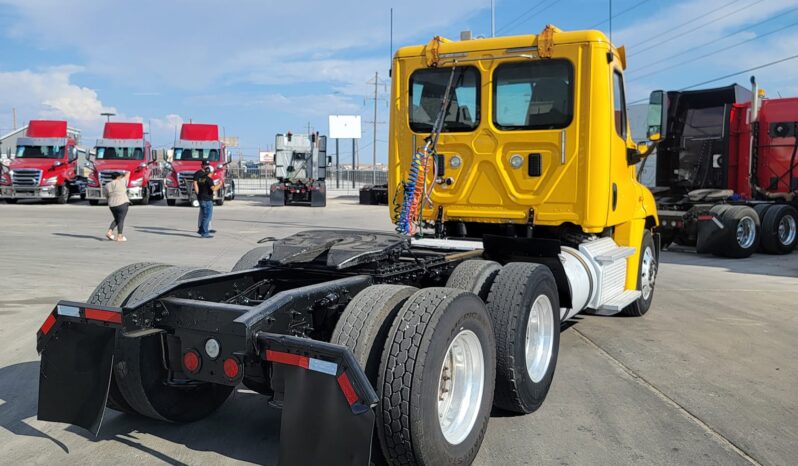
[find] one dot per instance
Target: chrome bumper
(133, 194)
(15, 192)
(180, 195)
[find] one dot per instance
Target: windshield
(211, 155)
(120, 153)
(40, 152)
(427, 88)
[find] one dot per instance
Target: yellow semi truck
(516, 207)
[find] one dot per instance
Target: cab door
(622, 200)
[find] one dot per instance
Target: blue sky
(258, 67)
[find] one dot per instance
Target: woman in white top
(116, 193)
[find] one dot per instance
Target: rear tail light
(232, 368)
(192, 361)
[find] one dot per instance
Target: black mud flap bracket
(328, 405)
(76, 343)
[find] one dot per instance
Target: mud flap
(276, 196)
(328, 416)
(75, 374)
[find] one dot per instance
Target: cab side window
(619, 105)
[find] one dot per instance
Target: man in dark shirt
(205, 187)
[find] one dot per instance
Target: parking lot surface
(708, 376)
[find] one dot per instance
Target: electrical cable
(730, 75)
(620, 13)
(520, 17)
(731, 34)
(531, 16)
(697, 18)
(691, 60)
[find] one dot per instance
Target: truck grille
(105, 177)
(26, 177)
(184, 179)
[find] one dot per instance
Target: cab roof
(506, 42)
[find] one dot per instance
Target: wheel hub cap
(648, 273)
(539, 338)
(787, 230)
(460, 387)
(746, 232)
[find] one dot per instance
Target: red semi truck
(45, 165)
(726, 171)
(123, 148)
(198, 143)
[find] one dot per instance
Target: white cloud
(50, 93)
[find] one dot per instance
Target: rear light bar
(67, 311)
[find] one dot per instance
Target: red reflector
(231, 368)
(705, 217)
(105, 316)
(191, 361)
(346, 387)
(287, 358)
(48, 324)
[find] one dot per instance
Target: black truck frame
(271, 326)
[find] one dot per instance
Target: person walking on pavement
(204, 187)
(118, 202)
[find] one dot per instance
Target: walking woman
(116, 193)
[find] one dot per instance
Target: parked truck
(123, 148)
(726, 171)
(516, 207)
(45, 165)
(300, 165)
(198, 143)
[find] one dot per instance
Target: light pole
(108, 115)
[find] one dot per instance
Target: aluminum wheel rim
(746, 232)
(539, 338)
(648, 273)
(460, 387)
(787, 230)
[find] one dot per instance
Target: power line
(537, 12)
(697, 18)
(714, 41)
(520, 17)
(700, 26)
(691, 60)
(620, 13)
(731, 75)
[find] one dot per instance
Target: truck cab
(123, 148)
(198, 143)
(45, 165)
(534, 142)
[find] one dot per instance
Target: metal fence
(257, 181)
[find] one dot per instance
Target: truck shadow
(758, 264)
(243, 429)
(19, 389)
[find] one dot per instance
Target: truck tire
(11, 201)
(417, 379)
(171, 202)
(363, 327)
(647, 269)
(524, 299)
(63, 195)
(141, 376)
(250, 260)
(233, 191)
(114, 291)
(220, 201)
(779, 229)
(94, 202)
(761, 210)
(475, 276)
(742, 234)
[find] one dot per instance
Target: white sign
(345, 126)
(266, 157)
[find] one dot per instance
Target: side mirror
(657, 122)
(143, 165)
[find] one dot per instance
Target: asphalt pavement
(708, 376)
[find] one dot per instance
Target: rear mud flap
(75, 374)
(328, 416)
